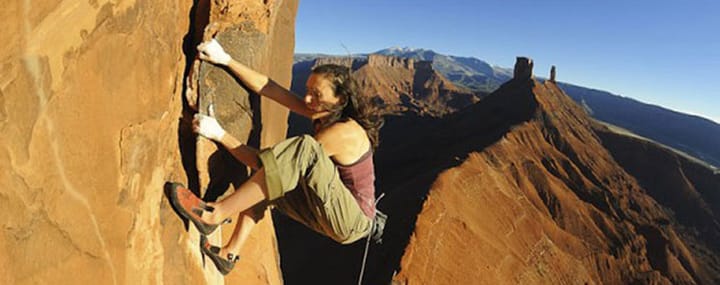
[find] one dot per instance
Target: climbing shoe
(191, 207)
(224, 265)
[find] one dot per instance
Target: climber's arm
(243, 153)
(267, 87)
(210, 128)
(255, 81)
(288, 99)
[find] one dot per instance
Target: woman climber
(325, 181)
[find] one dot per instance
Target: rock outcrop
(344, 61)
(94, 123)
(378, 60)
(523, 68)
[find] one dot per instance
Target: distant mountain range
(690, 134)
(470, 72)
(693, 135)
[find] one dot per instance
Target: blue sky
(660, 52)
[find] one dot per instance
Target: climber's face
(320, 95)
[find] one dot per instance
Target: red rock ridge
(542, 202)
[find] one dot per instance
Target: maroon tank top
(359, 178)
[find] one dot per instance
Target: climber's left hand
(208, 126)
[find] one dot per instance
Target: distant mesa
(523, 68)
(376, 60)
(344, 61)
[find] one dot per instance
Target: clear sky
(660, 52)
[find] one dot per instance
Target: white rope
(367, 243)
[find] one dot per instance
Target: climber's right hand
(208, 126)
(213, 52)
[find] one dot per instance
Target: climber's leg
(320, 200)
(323, 204)
(251, 192)
(245, 223)
(285, 162)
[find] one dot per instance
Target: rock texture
(260, 35)
(91, 105)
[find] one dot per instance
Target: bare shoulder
(344, 139)
(339, 132)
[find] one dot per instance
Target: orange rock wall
(90, 108)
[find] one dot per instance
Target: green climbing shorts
(304, 184)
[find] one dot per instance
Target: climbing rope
(367, 243)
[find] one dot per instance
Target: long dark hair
(352, 104)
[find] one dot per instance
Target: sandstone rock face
(91, 107)
(523, 68)
(260, 35)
